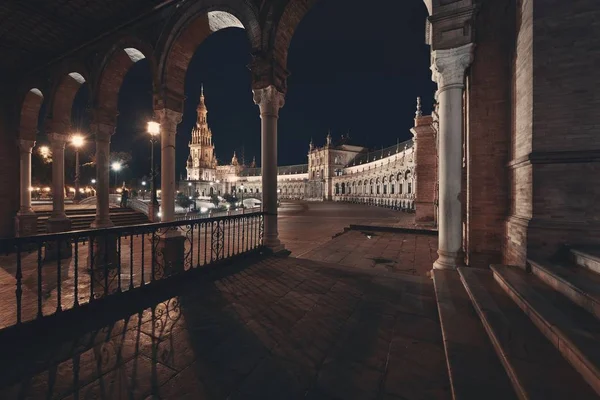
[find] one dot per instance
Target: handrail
(45, 237)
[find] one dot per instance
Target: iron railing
(56, 272)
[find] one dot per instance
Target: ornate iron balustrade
(56, 272)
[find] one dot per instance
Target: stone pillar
(425, 177)
(58, 221)
(448, 68)
(26, 220)
(103, 135)
(269, 100)
(169, 120)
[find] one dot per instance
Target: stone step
(579, 284)
(570, 328)
(473, 367)
(535, 367)
(587, 257)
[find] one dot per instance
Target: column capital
(269, 100)
(102, 131)
(25, 145)
(448, 66)
(58, 140)
(169, 119)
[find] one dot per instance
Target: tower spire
(202, 89)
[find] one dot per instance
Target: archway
(26, 221)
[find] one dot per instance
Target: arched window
(409, 188)
(343, 188)
(400, 188)
(337, 188)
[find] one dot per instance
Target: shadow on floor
(270, 329)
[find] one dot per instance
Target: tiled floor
(305, 226)
(402, 253)
(281, 328)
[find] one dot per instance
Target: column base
(153, 210)
(277, 248)
(26, 224)
(102, 251)
(170, 255)
(55, 250)
(449, 260)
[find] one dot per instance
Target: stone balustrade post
(448, 70)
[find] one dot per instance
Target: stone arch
(115, 65)
(62, 101)
(29, 114)
(190, 28)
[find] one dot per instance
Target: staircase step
(473, 367)
(570, 328)
(587, 257)
(580, 285)
(535, 367)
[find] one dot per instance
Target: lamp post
(116, 166)
(77, 141)
(242, 189)
(144, 190)
(154, 130)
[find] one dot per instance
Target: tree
(183, 201)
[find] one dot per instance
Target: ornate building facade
(337, 171)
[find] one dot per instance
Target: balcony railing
(55, 272)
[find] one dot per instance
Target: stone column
(448, 70)
(26, 220)
(58, 221)
(169, 120)
(269, 100)
(103, 135)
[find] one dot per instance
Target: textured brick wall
(425, 169)
(487, 103)
(556, 136)
(515, 248)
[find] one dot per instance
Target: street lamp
(77, 141)
(242, 189)
(116, 166)
(144, 190)
(154, 131)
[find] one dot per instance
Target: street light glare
(153, 128)
(44, 151)
(116, 166)
(93, 181)
(143, 183)
(77, 140)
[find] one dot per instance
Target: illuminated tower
(201, 164)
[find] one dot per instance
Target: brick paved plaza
(273, 328)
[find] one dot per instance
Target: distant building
(337, 171)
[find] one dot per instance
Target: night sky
(352, 70)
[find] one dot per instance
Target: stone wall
(515, 249)
(556, 141)
(487, 136)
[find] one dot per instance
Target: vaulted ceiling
(37, 31)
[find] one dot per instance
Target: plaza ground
(350, 317)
